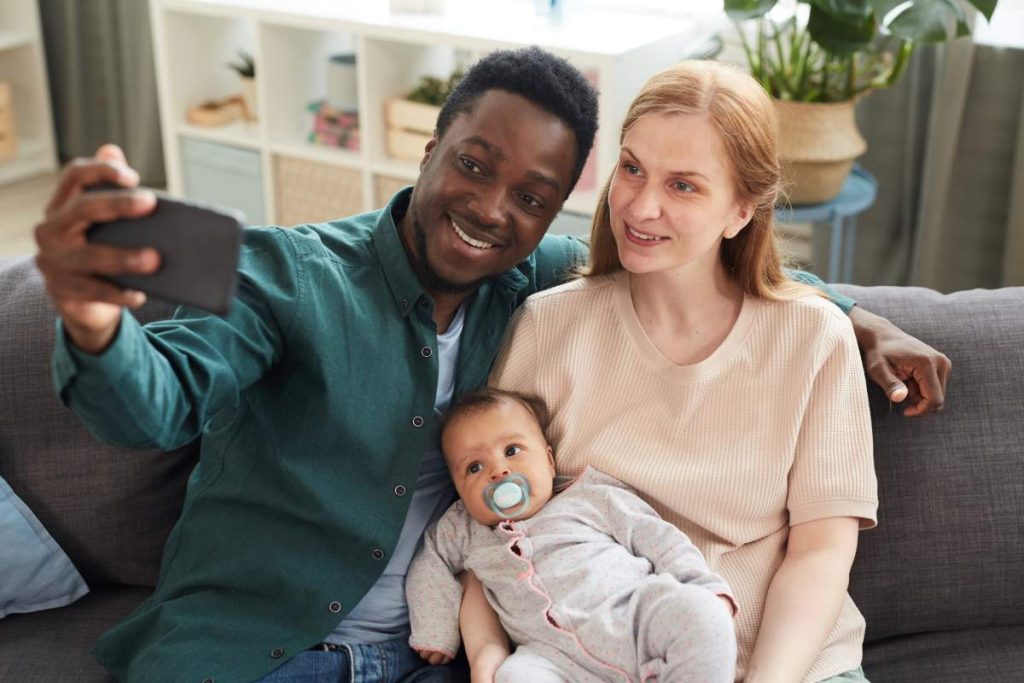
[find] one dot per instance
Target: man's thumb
(883, 376)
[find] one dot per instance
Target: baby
(587, 580)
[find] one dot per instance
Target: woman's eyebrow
(685, 174)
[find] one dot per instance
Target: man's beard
(430, 279)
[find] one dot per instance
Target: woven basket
(384, 187)
(311, 192)
(818, 142)
(8, 140)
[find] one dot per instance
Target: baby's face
(490, 443)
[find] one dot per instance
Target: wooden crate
(312, 192)
(8, 139)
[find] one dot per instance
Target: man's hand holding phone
(75, 268)
(104, 239)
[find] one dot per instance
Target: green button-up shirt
(314, 401)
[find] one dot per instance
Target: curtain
(947, 147)
(100, 61)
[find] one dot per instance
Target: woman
(685, 364)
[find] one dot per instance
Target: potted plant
(820, 57)
(411, 119)
(245, 66)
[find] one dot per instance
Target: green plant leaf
(740, 10)
(926, 21)
(986, 7)
(844, 32)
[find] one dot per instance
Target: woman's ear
(744, 214)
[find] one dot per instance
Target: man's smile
(479, 241)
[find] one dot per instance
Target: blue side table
(840, 214)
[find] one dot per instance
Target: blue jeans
(392, 661)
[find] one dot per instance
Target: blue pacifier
(509, 497)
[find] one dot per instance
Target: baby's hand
(433, 657)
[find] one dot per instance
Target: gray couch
(940, 581)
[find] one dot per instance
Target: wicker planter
(818, 143)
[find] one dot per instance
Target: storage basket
(312, 192)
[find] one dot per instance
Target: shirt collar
(405, 286)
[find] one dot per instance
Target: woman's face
(673, 197)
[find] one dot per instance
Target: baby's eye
(512, 450)
(474, 468)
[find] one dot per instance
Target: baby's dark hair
(475, 401)
(548, 81)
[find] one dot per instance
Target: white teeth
(479, 244)
(642, 236)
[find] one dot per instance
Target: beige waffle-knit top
(771, 430)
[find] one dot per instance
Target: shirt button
(334, 607)
(378, 554)
(417, 422)
(400, 490)
(426, 351)
(276, 653)
(405, 302)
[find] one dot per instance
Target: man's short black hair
(550, 82)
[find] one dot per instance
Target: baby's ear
(551, 457)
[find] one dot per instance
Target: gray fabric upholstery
(109, 509)
(965, 656)
(53, 646)
(948, 552)
(940, 581)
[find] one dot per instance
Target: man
(315, 398)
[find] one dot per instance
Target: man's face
(487, 192)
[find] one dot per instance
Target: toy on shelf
(333, 127)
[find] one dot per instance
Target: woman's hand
(433, 657)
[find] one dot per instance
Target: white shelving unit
(292, 41)
(22, 64)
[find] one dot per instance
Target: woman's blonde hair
(741, 111)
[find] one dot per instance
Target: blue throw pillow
(35, 573)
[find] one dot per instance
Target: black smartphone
(198, 244)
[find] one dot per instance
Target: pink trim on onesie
(514, 537)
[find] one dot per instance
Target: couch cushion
(994, 655)
(110, 509)
(54, 645)
(948, 552)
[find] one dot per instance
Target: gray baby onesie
(594, 587)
